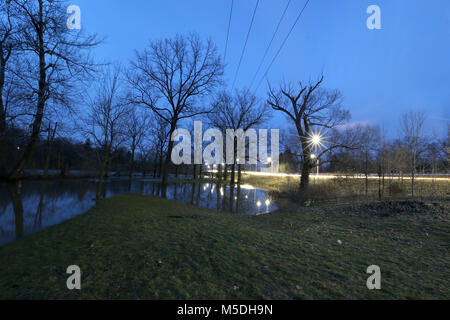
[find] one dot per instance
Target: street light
(316, 140)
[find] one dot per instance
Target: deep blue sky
(381, 73)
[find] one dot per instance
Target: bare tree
(52, 58)
(411, 129)
(107, 118)
(8, 43)
(137, 128)
(369, 140)
(170, 77)
(51, 132)
(310, 109)
(160, 134)
(239, 111)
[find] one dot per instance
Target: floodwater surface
(30, 206)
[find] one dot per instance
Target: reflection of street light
(258, 204)
(267, 202)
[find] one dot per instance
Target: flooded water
(29, 206)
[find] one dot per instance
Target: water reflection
(29, 206)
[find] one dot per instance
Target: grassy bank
(143, 247)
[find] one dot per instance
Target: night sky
(381, 73)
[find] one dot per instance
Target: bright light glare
(258, 203)
(267, 202)
(316, 140)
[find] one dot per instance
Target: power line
(245, 45)
(282, 45)
(228, 32)
(270, 44)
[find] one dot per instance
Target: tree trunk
(239, 174)
(26, 158)
(306, 170)
(219, 172)
(133, 149)
(3, 128)
(225, 173)
(232, 174)
(102, 174)
(51, 138)
(167, 162)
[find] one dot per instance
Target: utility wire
(282, 45)
(228, 32)
(245, 45)
(270, 44)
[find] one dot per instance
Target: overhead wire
(282, 44)
(245, 44)
(270, 43)
(228, 31)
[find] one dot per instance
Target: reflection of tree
(238, 196)
(192, 193)
(38, 216)
(198, 194)
(175, 191)
(15, 190)
(218, 188)
(231, 197)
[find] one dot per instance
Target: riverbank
(132, 246)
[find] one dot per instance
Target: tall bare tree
(170, 77)
(51, 132)
(411, 129)
(8, 43)
(369, 141)
(310, 109)
(137, 128)
(241, 110)
(52, 59)
(107, 119)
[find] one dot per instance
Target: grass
(136, 247)
(345, 187)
